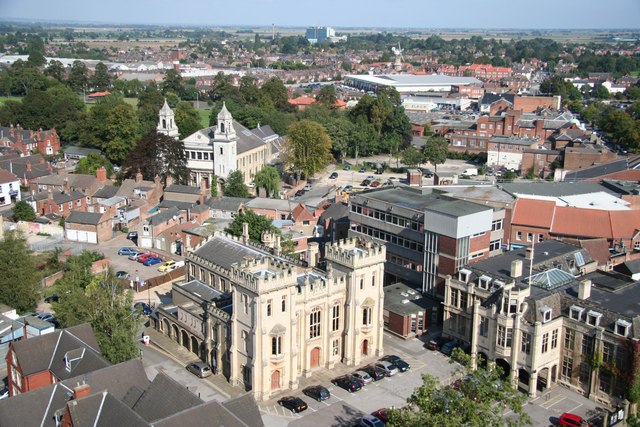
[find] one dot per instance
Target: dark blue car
(152, 261)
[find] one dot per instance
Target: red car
(572, 420)
(382, 414)
(142, 258)
(375, 184)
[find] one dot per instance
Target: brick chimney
(101, 174)
(81, 391)
(12, 132)
(138, 177)
(168, 181)
(584, 289)
(28, 166)
(50, 194)
(65, 185)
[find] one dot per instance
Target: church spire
(166, 121)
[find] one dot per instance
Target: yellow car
(167, 266)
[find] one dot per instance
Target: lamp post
(137, 282)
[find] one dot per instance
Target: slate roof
(337, 211)
(227, 204)
(103, 410)
(106, 192)
(47, 352)
(6, 177)
(239, 412)
(88, 218)
(180, 205)
(599, 170)
(270, 204)
(164, 397)
(224, 251)
(183, 189)
(163, 216)
(246, 140)
(490, 98)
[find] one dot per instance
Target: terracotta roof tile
(533, 212)
(570, 221)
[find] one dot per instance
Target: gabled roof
(163, 216)
(87, 218)
(164, 397)
(183, 189)
(103, 410)
(7, 177)
(533, 212)
(227, 204)
(300, 213)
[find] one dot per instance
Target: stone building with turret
(264, 320)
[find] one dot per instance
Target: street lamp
(137, 282)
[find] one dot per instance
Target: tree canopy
(257, 225)
(308, 148)
(268, 179)
(157, 154)
(92, 162)
(235, 186)
(19, 281)
(22, 211)
(435, 151)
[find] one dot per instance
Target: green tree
(19, 281)
(601, 93)
(327, 96)
(277, 92)
(308, 147)
(214, 186)
(22, 211)
(235, 186)
(187, 119)
(78, 76)
(157, 154)
(101, 301)
(435, 151)
(150, 102)
(172, 82)
(411, 156)
(257, 225)
(249, 90)
(88, 165)
(55, 70)
(269, 179)
(101, 80)
(479, 399)
(35, 49)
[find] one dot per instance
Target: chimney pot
(529, 253)
(584, 289)
(81, 391)
(516, 268)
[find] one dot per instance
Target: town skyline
(260, 13)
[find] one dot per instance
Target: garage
(84, 226)
(82, 236)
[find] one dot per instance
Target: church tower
(224, 144)
(166, 122)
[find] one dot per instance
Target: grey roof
(413, 300)
(599, 170)
(103, 410)
(88, 218)
(18, 166)
(164, 397)
(80, 151)
(227, 204)
(245, 408)
(46, 352)
(246, 140)
(336, 212)
(238, 412)
(202, 290)
(180, 205)
(553, 189)
(453, 207)
(513, 140)
(106, 192)
(490, 98)
(163, 216)
(76, 181)
(264, 132)
(271, 204)
(183, 189)
(224, 251)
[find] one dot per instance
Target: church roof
(165, 108)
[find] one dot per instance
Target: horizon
(547, 15)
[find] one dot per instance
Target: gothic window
(314, 323)
(366, 316)
(276, 346)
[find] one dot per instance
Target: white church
(221, 149)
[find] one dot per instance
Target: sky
(525, 14)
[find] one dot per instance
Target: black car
(427, 173)
(374, 372)
(348, 383)
(132, 235)
(294, 404)
(317, 392)
(52, 298)
(365, 183)
(333, 175)
(144, 308)
(398, 362)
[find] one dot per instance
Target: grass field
(204, 117)
(4, 99)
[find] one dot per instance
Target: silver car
(363, 377)
(388, 368)
(199, 369)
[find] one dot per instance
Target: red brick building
(26, 141)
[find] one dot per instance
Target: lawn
(204, 117)
(4, 99)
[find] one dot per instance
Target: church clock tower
(166, 122)
(224, 144)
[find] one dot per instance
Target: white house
(9, 188)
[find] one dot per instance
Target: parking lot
(345, 409)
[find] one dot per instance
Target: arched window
(314, 323)
(276, 346)
(366, 316)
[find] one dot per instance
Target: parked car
(199, 369)
(142, 258)
(308, 187)
(447, 348)
(427, 173)
(167, 266)
(347, 167)
(143, 307)
(362, 170)
(152, 261)
(4, 392)
(127, 251)
(122, 275)
(375, 184)
(333, 175)
(370, 421)
(348, 383)
(135, 257)
(294, 404)
(363, 377)
(317, 392)
(436, 343)
(388, 367)
(132, 235)
(365, 183)
(397, 361)
(382, 414)
(572, 420)
(374, 372)
(347, 188)
(52, 298)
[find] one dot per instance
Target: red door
(275, 380)
(365, 347)
(315, 357)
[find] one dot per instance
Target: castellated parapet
(354, 253)
(264, 275)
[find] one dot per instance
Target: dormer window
(463, 275)
(546, 314)
(575, 312)
(483, 282)
(593, 318)
(622, 327)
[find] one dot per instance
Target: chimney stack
(168, 181)
(276, 247)
(28, 166)
(529, 253)
(50, 194)
(65, 186)
(101, 174)
(584, 289)
(138, 177)
(313, 254)
(81, 391)
(245, 232)
(516, 268)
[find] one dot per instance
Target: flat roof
(404, 300)
(399, 80)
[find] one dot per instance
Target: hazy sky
(567, 14)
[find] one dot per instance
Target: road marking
(574, 409)
(552, 402)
